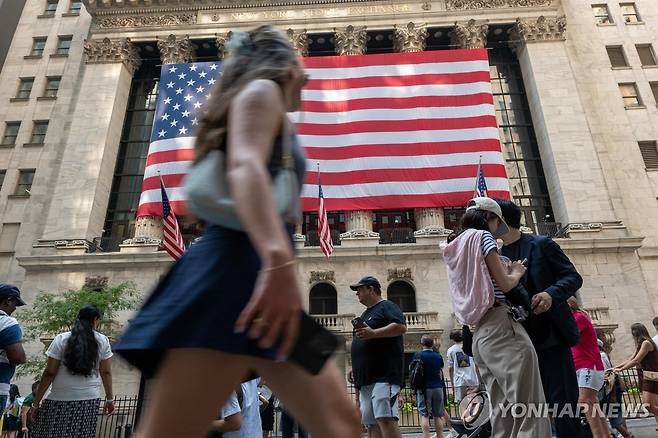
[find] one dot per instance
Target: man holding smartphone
(550, 280)
(378, 359)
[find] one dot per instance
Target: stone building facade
(575, 86)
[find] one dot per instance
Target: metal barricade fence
(122, 423)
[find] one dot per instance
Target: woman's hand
(517, 268)
(109, 408)
(273, 312)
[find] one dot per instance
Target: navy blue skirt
(197, 303)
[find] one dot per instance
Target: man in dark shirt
(430, 398)
(378, 359)
(551, 279)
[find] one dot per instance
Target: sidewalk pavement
(642, 428)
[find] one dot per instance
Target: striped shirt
(10, 334)
(488, 245)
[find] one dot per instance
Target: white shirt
(655, 339)
(251, 426)
(69, 387)
(462, 375)
(606, 360)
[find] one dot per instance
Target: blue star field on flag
(184, 90)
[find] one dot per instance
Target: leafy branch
(51, 314)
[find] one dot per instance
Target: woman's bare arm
(505, 280)
(256, 117)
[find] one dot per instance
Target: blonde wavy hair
(262, 53)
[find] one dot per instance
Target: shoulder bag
(209, 197)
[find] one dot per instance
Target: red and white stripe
(399, 130)
(172, 241)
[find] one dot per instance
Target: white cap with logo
(488, 204)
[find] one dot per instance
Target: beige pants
(508, 365)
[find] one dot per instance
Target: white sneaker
(452, 434)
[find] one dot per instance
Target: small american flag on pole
(324, 233)
(480, 184)
(172, 240)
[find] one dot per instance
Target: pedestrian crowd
(232, 304)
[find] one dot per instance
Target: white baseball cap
(488, 204)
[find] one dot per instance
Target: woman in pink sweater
(589, 370)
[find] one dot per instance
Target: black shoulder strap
(240, 397)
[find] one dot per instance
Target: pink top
(469, 282)
(586, 353)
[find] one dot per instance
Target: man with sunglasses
(11, 338)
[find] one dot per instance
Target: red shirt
(586, 353)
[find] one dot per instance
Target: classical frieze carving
(320, 276)
(539, 29)
(72, 243)
(469, 35)
(595, 226)
(98, 282)
(399, 274)
(410, 38)
(141, 241)
(299, 41)
(359, 234)
(110, 51)
(433, 231)
(175, 50)
(351, 40)
(118, 21)
(489, 4)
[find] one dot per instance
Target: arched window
(402, 294)
(323, 300)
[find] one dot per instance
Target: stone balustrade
(599, 314)
(422, 320)
(343, 323)
(335, 323)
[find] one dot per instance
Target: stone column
(299, 40)
(79, 202)
(148, 229)
(408, 39)
(222, 40)
(578, 191)
(471, 34)
(352, 41)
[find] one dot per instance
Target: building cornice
(417, 250)
(122, 7)
(135, 14)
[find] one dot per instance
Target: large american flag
(399, 130)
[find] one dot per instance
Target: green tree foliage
(54, 313)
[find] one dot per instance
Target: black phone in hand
(315, 345)
(358, 323)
